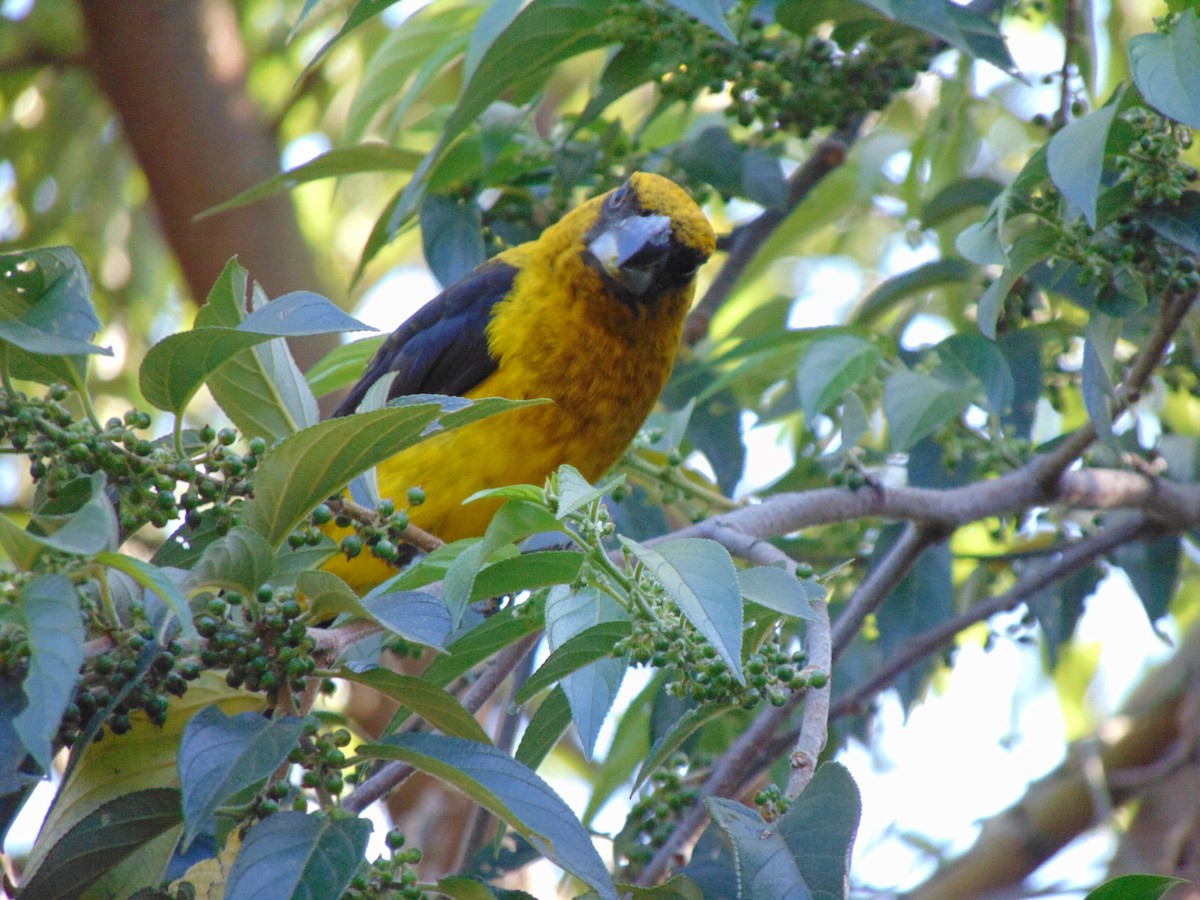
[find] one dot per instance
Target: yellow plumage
(590, 319)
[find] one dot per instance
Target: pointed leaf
(220, 755)
(304, 469)
(595, 643)
(1075, 158)
(545, 729)
(156, 580)
(698, 574)
(777, 589)
(432, 703)
(49, 606)
(681, 729)
(766, 869)
(241, 560)
(292, 854)
(415, 616)
(511, 792)
(1166, 69)
(101, 841)
(917, 405)
(830, 367)
(820, 826)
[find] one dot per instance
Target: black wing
(442, 348)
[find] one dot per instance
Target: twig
(746, 241)
(728, 773)
(814, 723)
(1070, 41)
(882, 580)
(1071, 560)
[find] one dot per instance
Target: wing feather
(443, 347)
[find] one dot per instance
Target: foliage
(165, 617)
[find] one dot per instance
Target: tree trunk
(175, 70)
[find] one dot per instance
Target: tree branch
(748, 239)
(1035, 579)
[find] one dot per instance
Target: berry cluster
(382, 534)
(154, 484)
(663, 637)
(775, 79)
(652, 818)
(259, 640)
(772, 802)
(387, 878)
(322, 757)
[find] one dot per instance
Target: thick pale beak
(633, 251)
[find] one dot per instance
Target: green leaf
(342, 366)
(830, 367)
(241, 560)
(545, 729)
(591, 689)
(964, 29)
(415, 616)
(917, 405)
(340, 161)
(505, 49)
(49, 607)
(1179, 223)
(1028, 249)
(699, 576)
(1166, 69)
(410, 58)
(86, 531)
(766, 868)
(779, 590)
(514, 521)
(157, 581)
(714, 157)
(45, 312)
(432, 703)
(479, 643)
(670, 741)
(820, 826)
(526, 572)
(304, 469)
(220, 755)
(510, 791)
(595, 643)
(1099, 345)
(1075, 159)
(920, 280)
(175, 368)
(983, 359)
(292, 854)
(957, 197)
(101, 841)
(1135, 887)
(452, 235)
(707, 12)
(1153, 569)
(576, 492)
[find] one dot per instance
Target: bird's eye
(617, 197)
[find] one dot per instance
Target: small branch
(396, 772)
(726, 776)
(417, 537)
(882, 580)
(1072, 559)
(1070, 42)
(747, 240)
(818, 645)
(814, 725)
(332, 642)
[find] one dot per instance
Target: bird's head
(647, 237)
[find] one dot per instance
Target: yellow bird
(588, 315)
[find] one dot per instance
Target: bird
(588, 315)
